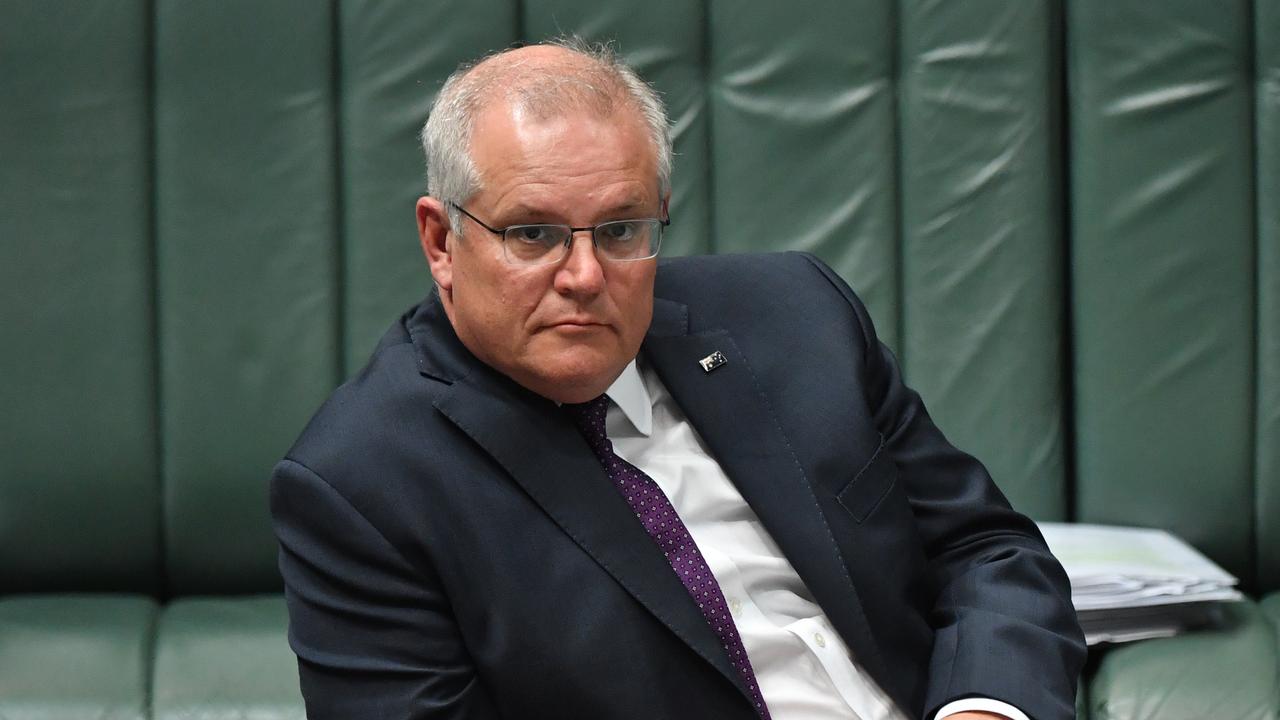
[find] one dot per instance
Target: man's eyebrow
(521, 210)
(627, 206)
(541, 214)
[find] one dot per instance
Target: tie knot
(590, 417)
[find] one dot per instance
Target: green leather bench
(1065, 218)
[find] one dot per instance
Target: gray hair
(596, 80)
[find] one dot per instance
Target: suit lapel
(541, 449)
(731, 414)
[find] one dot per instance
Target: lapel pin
(713, 361)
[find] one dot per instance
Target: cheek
(635, 303)
(639, 319)
(478, 299)
(483, 286)
(510, 301)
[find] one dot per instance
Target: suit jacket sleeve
(1003, 620)
(374, 635)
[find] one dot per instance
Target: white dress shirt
(803, 666)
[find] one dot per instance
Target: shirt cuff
(983, 705)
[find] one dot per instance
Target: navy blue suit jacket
(452, 549)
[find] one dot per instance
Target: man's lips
(576, 323)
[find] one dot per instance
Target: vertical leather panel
(78, 478)
(664, 43)
(1163, 272)
(982, 255)
(394, 57)
(803, 150)
(246, 224)
(1267, 43)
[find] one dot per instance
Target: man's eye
(533, 234)
(620, 231)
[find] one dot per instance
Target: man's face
(565, 330)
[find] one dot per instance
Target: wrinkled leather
(1162, 254)
(980, 194)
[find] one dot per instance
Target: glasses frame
(568, 242)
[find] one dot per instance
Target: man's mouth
(577, 323)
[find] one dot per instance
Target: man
(574, 483)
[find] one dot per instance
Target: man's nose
(581, 271)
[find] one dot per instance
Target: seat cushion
(1229, 672)
(225, 658)
(1271, 609)
(73, 657)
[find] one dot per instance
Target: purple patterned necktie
(668, 531)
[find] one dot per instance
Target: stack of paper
(1135, 583)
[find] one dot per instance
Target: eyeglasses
(540, 244)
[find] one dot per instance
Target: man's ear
(434, 236)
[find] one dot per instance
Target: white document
(1134, 583)
(1105, 552)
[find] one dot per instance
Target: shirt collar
(632, 398)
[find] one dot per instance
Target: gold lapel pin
(713, 361)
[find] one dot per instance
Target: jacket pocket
(869, 486)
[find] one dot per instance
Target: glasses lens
(533, 244)
(629, 239)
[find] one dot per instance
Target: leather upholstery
(817, 109)
(978, 209)
(246, 225)
(78, 431)
(75, 656)
(1271, 609)
(1267, 154)
(1065, 217)
(1163, 273)
(215, 657)
(1230, 672)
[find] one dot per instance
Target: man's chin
(576, 380)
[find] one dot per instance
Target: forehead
(527, 158)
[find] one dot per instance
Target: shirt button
(819, 640)
(735, 606)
